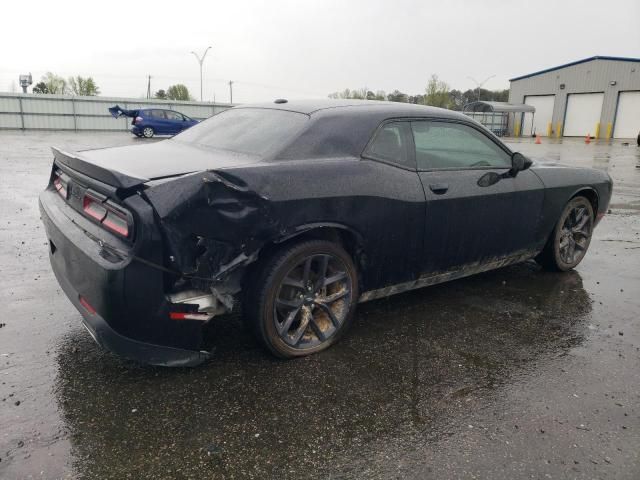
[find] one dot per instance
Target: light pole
(200, 60)
(480, 84)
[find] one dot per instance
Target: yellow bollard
(516, 130)
(549, 129)
(609, 129)
(597, 134)
(559, 130)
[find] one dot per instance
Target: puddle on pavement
(405, 366)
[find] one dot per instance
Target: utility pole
(480, 84)
(149, 87)
(231, 91)
(200, 60)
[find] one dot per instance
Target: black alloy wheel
(307, 298)
(571, 237)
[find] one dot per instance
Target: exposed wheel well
(590, 195)
(341, 236)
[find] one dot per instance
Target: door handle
(439, 188)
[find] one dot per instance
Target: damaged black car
(294, 212)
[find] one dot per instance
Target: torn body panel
(214, 225)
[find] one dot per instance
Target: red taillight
(60, 184)
(116, 222)
(110, 216)
(94, 207)
(137, 120)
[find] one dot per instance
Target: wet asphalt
(515, 373)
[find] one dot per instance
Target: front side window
(173, 115)
(442, 145)
(390, 144)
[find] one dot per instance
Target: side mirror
(518, 163)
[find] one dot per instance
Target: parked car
(148, 122)
(298, 211)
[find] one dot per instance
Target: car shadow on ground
(410, 363)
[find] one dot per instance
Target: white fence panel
(48, 122)
(64, 112)
(9, 104)
(43, 105)
(10, 120)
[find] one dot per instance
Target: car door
(158, 121)
(395, 209)
(470, 221)
(175, 121)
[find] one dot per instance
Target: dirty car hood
(134, 164)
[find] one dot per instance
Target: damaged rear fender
(214, 226)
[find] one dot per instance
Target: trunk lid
(116, 112)
(126, 167)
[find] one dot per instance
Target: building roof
(484, 106)
(597, 57)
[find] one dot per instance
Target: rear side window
(391, 144)
(157, 114)
(254, 131)
(442, 145)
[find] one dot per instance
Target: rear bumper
(136, 130)
(131, 311)
(126, 347)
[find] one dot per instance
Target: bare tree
(83, 86)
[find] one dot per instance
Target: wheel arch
(590, 194)
(351, 240)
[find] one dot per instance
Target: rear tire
(570, 238)
(148, 132)
(302, 298)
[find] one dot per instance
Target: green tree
(161, 94)
(178, 92)
(359, 94)
(83, 86)
(398, 96)
(437, 93)
(55, 84)
(380, 95)
(40, 87)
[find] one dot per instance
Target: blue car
(148, 122)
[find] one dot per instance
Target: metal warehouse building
(599, 96)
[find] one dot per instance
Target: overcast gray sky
(298, 49)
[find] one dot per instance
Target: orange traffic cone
(587, 139)
(538, 141)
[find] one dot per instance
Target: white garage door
(627, 115)
(542, 117)
(583, 114)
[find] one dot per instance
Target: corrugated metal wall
(63, 112)
(589, 77)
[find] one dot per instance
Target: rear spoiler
(117, 112)
(114, 178)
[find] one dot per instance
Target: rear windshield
(254, 131)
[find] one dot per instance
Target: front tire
(570, 238)
(148, 132)
(303, 298)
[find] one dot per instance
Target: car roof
(390, 109)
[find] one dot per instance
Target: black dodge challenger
(295, 212)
